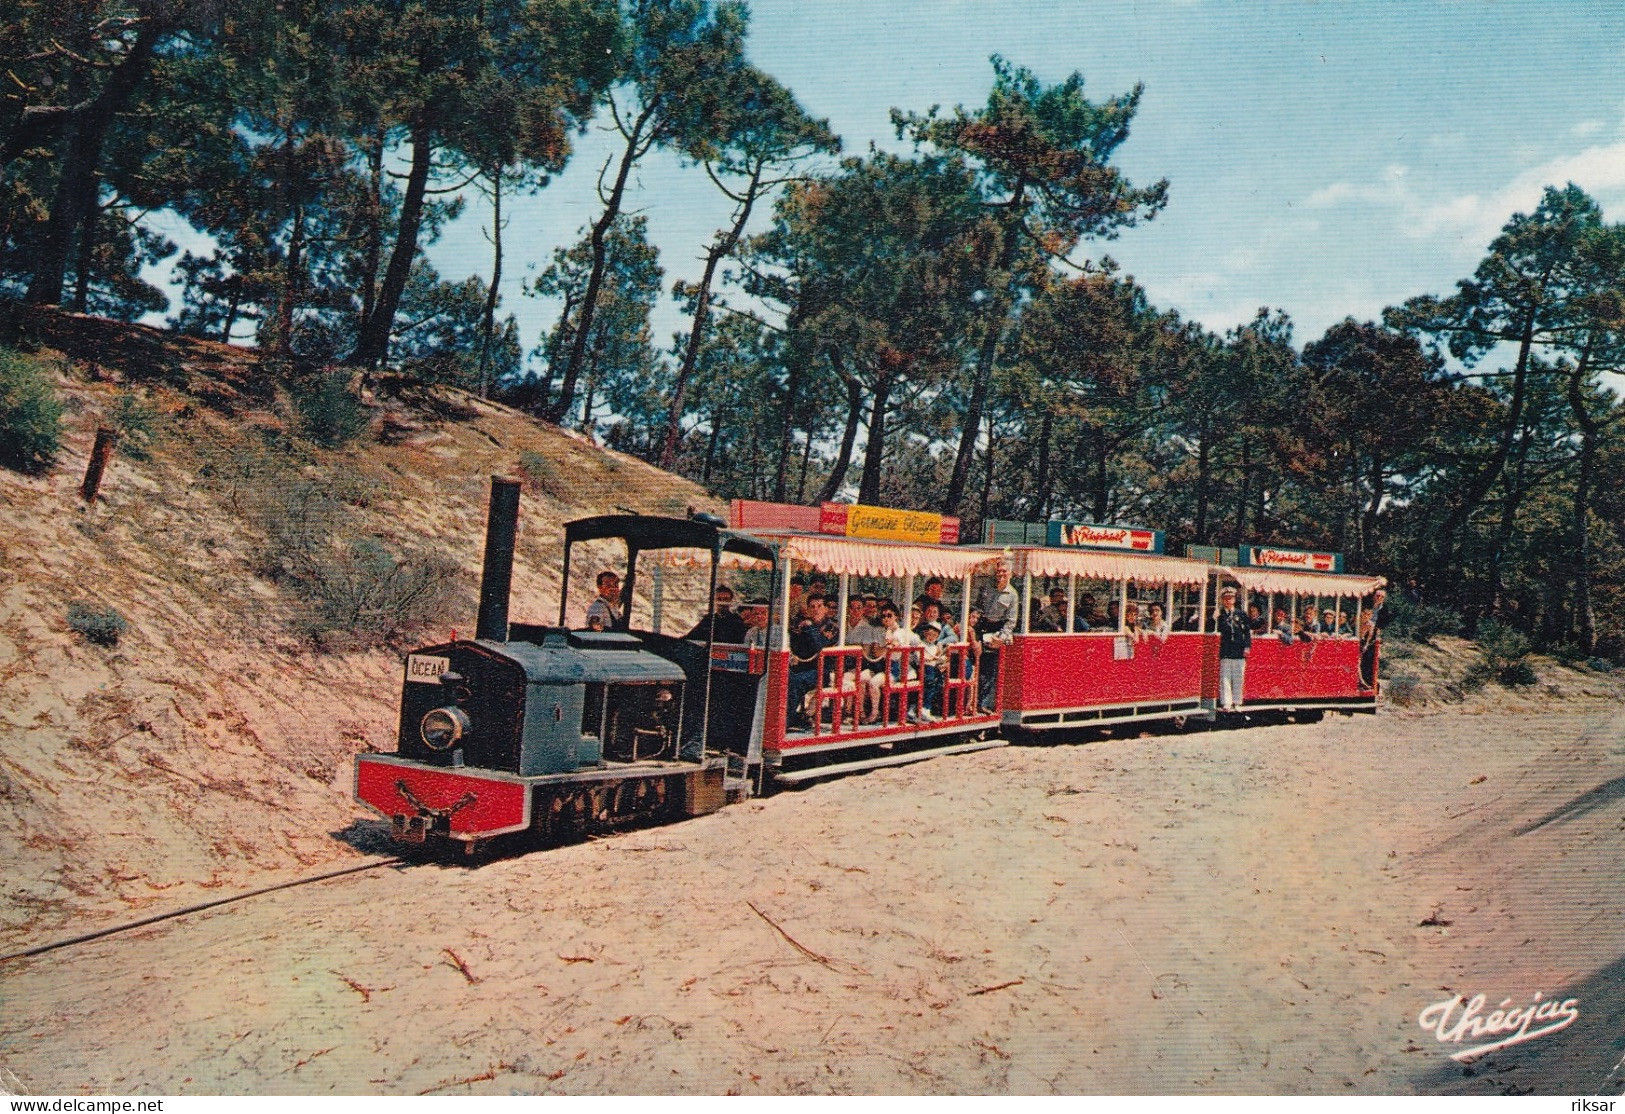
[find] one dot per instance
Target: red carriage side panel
(1327, 669)
(1210, 669)
(1055, 672)
(778, 694)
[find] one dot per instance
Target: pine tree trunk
(719, 251)
(874, 449)
(1584, 615)
(84, 138)
(1456, 521)
(289, 289)
(372, 347)
(488, 323)
(973, 412)
(781, 474)
(1204, 480)
(987, 480)
(374, 216)
(849, 435)
(1045, 426)
(595, 279)
(86, 261)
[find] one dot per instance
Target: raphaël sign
(1271, 557)
(1092, 535)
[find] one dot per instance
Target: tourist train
(658, 698)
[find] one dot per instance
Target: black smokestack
(501, 528)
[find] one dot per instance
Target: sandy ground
(1237, 911)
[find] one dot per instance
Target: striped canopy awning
(1142, 568)
(1303, 583)
(831, 554)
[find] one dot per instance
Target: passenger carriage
(1303, 676)
(906, 727)
(1108, 673)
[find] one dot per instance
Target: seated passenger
(932, 594)
(755, 615)
(1279, 623)
(900, 667)
(871, 667)
(1131, 621)
(973, 658)
(1311, 619)
(1255, 619)
(931, 616)
(1112, 612)
(720, 624)
(815, 633)
(1156, 626)
(1332, 623)
(1088, 610)
(934, 659)
(1052, 616)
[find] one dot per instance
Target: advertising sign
(1271, 557)
(1092, 535)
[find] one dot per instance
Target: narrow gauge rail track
(173, 914)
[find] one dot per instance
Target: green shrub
(1403, 689)
(1419, 622)
(138, 423)
(372, 593)
(93, 625)
(328, 413)
(1571, 654)
(30, 414)
(1503, 653)
(540, 474)
(1516, 674)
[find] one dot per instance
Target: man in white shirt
(1000, 605)
(606, 609)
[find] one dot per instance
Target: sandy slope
(212, 744)
(1227, 912)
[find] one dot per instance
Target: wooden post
(105, 440)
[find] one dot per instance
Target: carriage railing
(905, 689)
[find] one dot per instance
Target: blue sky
(1327, 159)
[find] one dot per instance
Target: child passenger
(933, 658)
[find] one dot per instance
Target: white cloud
(1473, 219)
(1331, 195)
(1599, 170)
(1587, 128)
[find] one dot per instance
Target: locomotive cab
(526, 726)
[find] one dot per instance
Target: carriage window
(1097, 601)
(1187, 604)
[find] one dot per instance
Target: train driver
(606, 608)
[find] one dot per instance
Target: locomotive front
(535, 727)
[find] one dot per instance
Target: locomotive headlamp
(443, 727)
